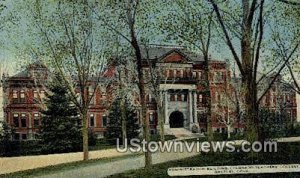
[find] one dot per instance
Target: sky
(12, 39)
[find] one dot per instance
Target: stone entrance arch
(176, 119)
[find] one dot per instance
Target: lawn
(288, 153)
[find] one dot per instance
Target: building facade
(180, 85)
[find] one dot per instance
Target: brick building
(181, 86)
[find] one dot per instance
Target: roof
(22, 74)
(156, 52)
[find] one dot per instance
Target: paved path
(14, 164)
(118, 166)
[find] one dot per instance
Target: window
(22, 96)
(181, 73)
(91, 95)
(23, 120)
(104, 121)
(179, 97)
(170, 73)
(15, 96)
(223, 130)
(288, 98)
(178, 73)
(35, 96)
(183, 97)
(199, 75)
(92, 120)
(152, 132)
(36, 120)
(16, 120)
(42, 95)
(194, 74)
(172, 97)
(24, 136)
(151, 119)
(200, 98)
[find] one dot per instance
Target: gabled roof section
(174, 56)
(22, 74)
(158, 52)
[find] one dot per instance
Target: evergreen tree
(60, 130)
(114, 129)
(6, 143)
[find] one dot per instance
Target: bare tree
(128, 13)
(73, 53)
(248, 27)
(192, 24)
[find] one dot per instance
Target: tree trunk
(85, 136)
(161, 119)
(228, 132)
(248, 81)
(124, 118)
(208, 98)
(251, 109)
(141, 86)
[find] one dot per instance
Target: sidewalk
(14, 164)
(119, 166)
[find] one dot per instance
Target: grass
(156, 137)
(101, 144)
(288, 153)
(63, 167)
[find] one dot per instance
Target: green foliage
(60, 130)
(156, 137)
(294, 130)
(219, 136)
(273, 124)
(6, 144)
(92, 138)
(114, 129)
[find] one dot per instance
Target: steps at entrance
(180, 132)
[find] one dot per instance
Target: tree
(191, 24)
(115, 117)
(273, 124)
(6, 135)
(70, 49)
(246, 24)
(130, 14)
(60, 130)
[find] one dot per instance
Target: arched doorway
(176, 119)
